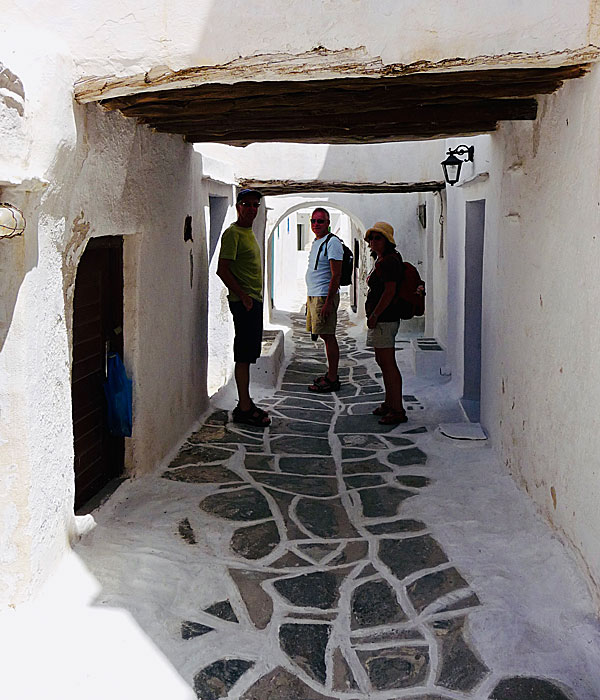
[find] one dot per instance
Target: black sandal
(393, 417)
(253, 416)
(324, 385)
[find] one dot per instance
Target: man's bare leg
(242, 381)
(332, 350)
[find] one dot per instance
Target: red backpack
(411, 303)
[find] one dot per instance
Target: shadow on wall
(218, 207)
(289, 32)
(14, 264)
(18, 256)
(12, 274)
(381, 162)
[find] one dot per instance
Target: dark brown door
(97, 327)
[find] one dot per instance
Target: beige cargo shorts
(314, 323)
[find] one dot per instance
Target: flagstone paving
(291, 564)
(363, 602)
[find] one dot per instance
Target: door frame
(113, 447)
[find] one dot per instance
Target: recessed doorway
(97, 330)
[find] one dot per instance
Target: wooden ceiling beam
(310, 105)
(391, 93)
(348, 110)
(350, 137)
(502, 80)
(279, 187)
(298, 120)
(363, 100)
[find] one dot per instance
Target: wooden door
(97, 328)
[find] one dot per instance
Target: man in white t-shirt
(322, 287)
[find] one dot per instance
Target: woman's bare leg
(392, 379)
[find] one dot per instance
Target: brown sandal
(394, 417)
(382, 410)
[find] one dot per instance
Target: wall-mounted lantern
(12, 221)
(453, 163)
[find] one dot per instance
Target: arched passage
(314, 203)
(287, 253)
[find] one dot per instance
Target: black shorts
(248, 331)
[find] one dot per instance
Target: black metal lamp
(453, 163)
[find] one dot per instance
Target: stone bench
(266, 370)
(428, 357)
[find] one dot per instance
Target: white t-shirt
(317, 281)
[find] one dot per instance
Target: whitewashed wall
(436, 268)
(84, 173)
(544, 346)
(474, 185)
(288, 265)
(540, 369)
(130, 36)
(389, 162)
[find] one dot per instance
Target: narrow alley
(332, 557)
(153, 549)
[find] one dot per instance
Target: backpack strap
(325, 242)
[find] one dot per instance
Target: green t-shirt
(240, 246)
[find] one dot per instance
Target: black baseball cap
(248, 193)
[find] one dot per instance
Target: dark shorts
(248, 331)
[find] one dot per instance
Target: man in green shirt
(240, 268)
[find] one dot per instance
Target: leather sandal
(253, 416)
(324, 385)
(320, 380)
(382, 410)
(393, 417)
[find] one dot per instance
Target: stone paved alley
(331, 557)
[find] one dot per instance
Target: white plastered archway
(314, 204)
(274, 219)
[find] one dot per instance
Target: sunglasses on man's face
(318, 221)
(375, 238)
(254, 205)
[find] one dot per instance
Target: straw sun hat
(386, 230)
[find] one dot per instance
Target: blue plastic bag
(117, 389)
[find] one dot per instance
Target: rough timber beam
(275, 187)
(305, 99)
(349, 114)
(305, 124)
(317, 64)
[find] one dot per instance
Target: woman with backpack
(383, 310)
